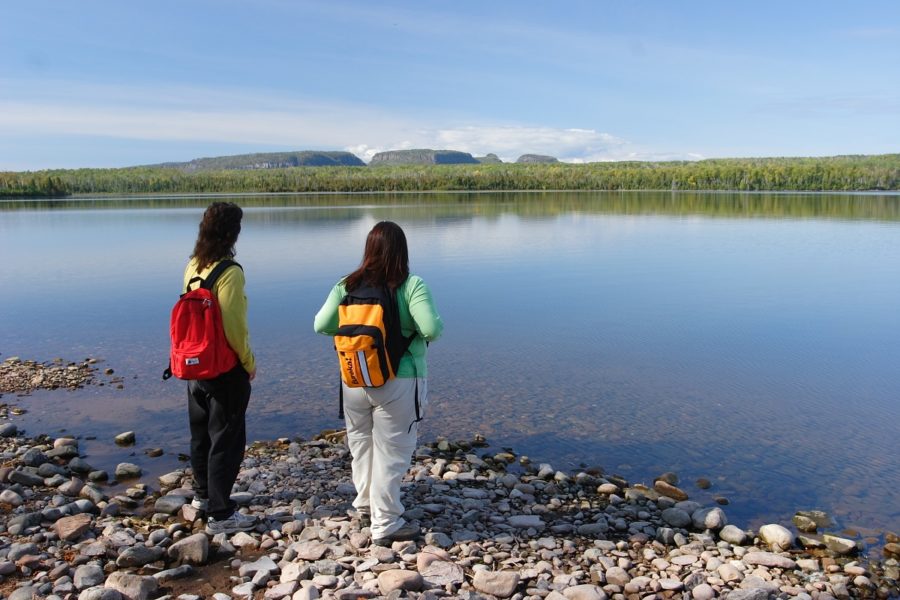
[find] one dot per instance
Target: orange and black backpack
(369, 342)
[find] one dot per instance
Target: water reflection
(748, 338)
(879, 206)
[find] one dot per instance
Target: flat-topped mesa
(422, 157)
(269, 160)
(537, 158)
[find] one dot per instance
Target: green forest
(840, 173)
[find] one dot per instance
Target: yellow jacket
(229, 289)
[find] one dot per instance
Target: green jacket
(417, 315)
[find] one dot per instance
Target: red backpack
(199, 348)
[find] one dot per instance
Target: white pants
(382, 443)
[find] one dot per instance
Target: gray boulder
(138, 556)
(87, 576)
(133, 587)
(100, 593)
(192, 550)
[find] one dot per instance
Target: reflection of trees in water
(452, 206)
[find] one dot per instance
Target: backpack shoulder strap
(213, 276)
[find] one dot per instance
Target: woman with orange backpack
(382, 318)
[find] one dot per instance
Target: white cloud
(510, 142)
(506, 141)
(233, 117)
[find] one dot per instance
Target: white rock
(294, 572)
(244, 590)
(839, 545)
(100, 593)
(325, 581)
(617, 576)
(501, 584)
(11, 497)
(768, 559)
(776, 536)
(264, 564)
(733, 535)
(729, 573)
(399, 579)
(440, 573)
(584, 592)
(709, 518)
(809, 565)
(281, 590)
(244, 540)
(310, 550)
(306, 593)
(703, 591)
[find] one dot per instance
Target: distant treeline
(32, 185)
(841, 173)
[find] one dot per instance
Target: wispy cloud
(234, 117)
(873, 32)
(811, 107)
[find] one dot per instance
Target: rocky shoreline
(22, 377)
(493, 526)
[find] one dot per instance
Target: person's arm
(423, 311)
(229, 289)
(326, 321)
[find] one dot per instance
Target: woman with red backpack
(217, 401)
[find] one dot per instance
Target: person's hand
(252, 374)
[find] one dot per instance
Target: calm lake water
(751, 339)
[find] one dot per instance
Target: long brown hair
(219, 230)
(385, 260)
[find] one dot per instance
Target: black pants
(216, 409)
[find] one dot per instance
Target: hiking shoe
(363, 514)
(405, 533)
(200, 503)
(236, 522)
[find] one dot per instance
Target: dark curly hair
(219, 230)
(385, 260)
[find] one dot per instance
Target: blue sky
(105, 84)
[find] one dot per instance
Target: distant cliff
(536, 158)
(490, 159)
(268, 160)
(422, 157)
